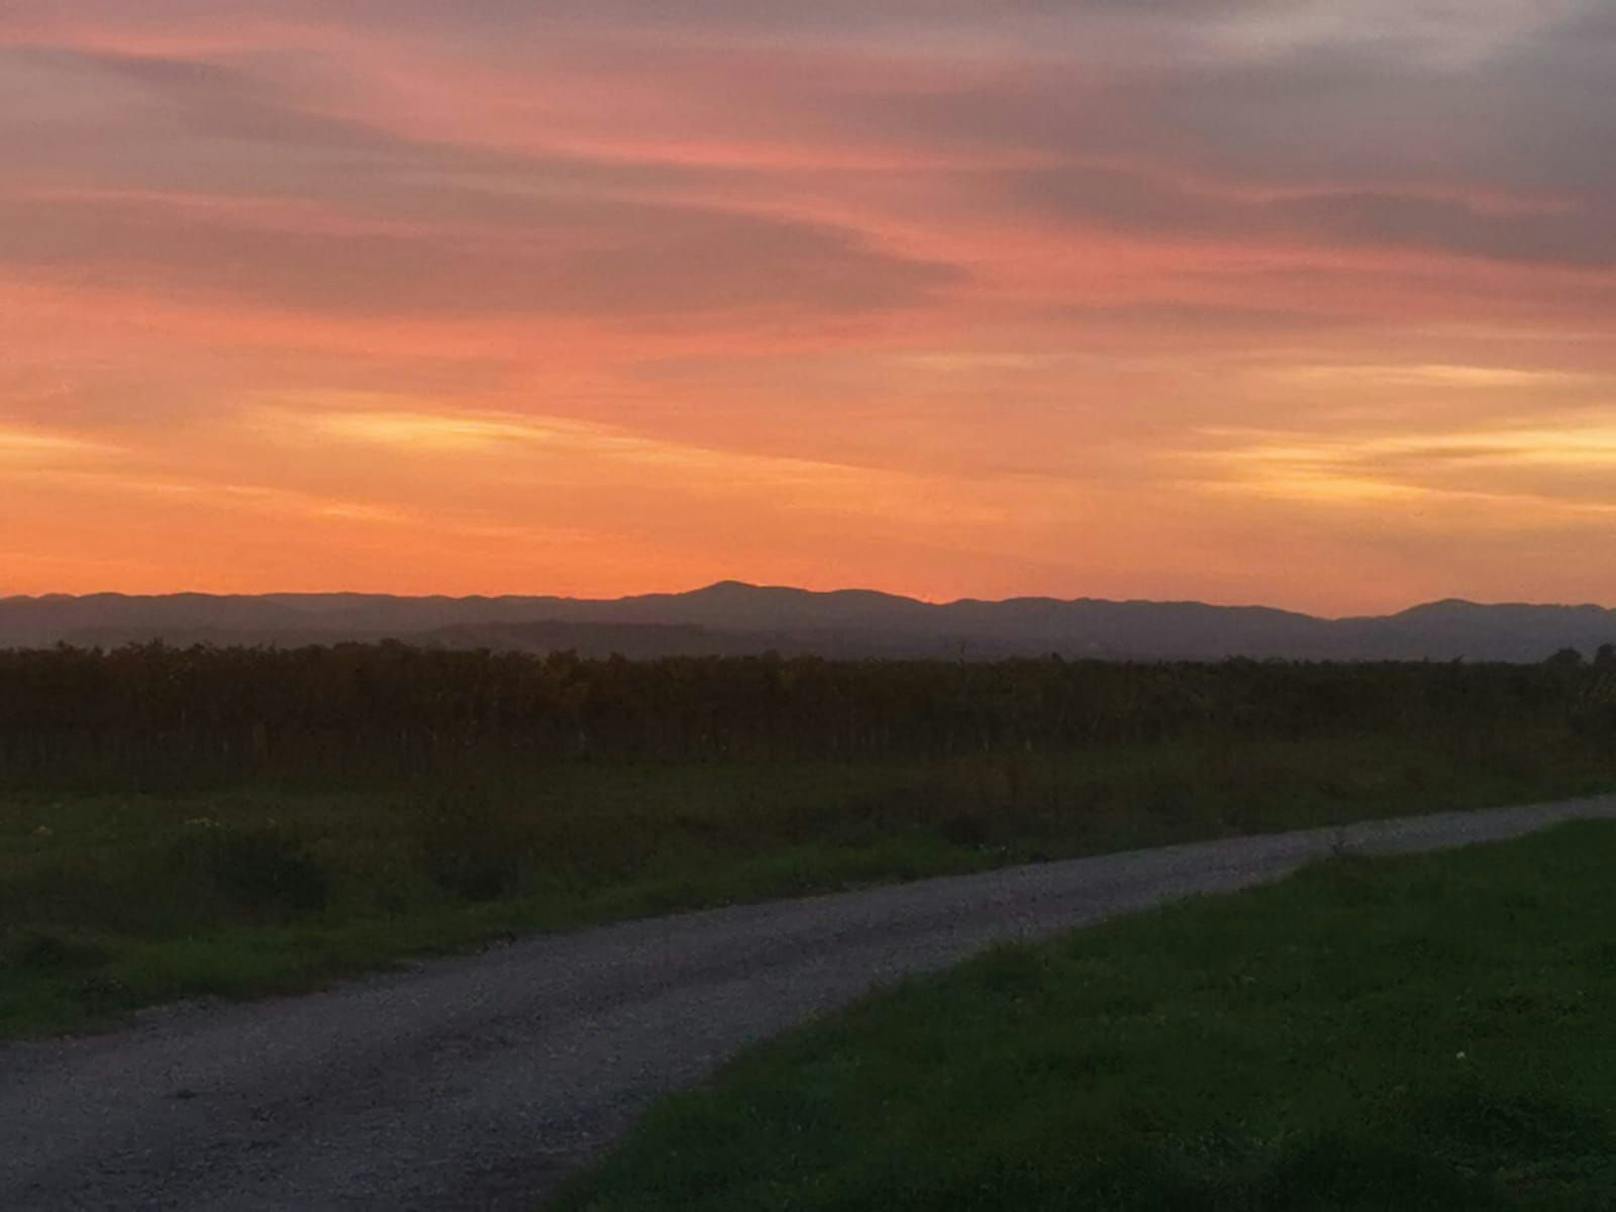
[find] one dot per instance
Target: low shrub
(263, 872)
(49, 951)
(472, 849)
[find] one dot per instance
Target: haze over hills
(731, 618)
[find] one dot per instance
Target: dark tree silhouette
(159, 716)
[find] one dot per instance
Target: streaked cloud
(1434, 375)
(1067, 298)
(1534, 475)
(30, 447)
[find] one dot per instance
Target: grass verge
(112, 902)
(1430, 1032)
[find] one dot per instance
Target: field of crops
(162, 718)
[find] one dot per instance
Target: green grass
(113, 902)
(1411, 1033)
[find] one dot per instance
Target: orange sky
(1295, 302)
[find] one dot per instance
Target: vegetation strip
(182, 823)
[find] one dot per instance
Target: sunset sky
(1302, 302)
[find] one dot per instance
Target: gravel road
(480, 1082)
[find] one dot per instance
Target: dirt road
(480, 1082)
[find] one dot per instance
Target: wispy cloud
(34, 447)
(1431, 375)
(925, 293)
(1500, 468)
(527, 443)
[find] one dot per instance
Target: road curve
(482, 1081)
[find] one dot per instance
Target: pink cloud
(1024, 261)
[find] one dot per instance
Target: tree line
(156, 714)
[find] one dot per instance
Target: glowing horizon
(1299, 304)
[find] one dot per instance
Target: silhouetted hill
(731, 618)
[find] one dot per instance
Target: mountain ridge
(734, 617)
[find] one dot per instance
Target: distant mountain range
(731, 619)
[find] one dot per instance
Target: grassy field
(111, 901)
(1410, 1033)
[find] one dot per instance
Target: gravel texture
(482, 1081)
